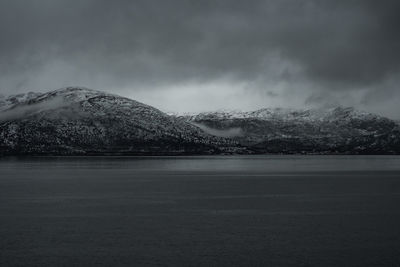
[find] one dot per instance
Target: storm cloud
(199, 55)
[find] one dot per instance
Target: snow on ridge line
(78, 93)
(287, 114)
(79, 99)
(70, 94)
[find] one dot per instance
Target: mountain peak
(73, 93)
(78, 90)
(77, 120)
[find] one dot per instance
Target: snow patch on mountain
(79, 120)
(284, 114)
(279, 130)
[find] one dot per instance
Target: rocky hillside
(82, 121)
(337, 130)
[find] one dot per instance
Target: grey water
(200, 211)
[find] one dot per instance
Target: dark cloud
(314, 51)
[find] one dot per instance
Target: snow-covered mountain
(335, 130)
(82, 121)
(77, 120)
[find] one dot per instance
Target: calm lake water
(200, 211)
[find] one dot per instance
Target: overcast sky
(205, 55)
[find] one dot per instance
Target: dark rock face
(82, 121)
(338, 130)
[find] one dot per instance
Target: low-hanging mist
(206, 55)
(228, 133)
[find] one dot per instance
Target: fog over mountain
(82, 121)
(193, 56)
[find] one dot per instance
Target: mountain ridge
(82, 121)
(337, 130)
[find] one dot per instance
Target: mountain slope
(338, 130)
(83, 121)
(73, 120)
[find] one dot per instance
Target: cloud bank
(199, 55)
